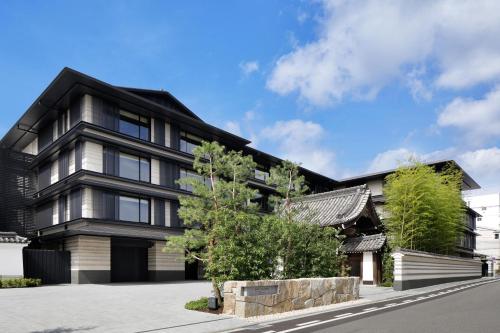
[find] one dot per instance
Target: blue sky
(345, 88)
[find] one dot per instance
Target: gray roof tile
(364, 243)
(12, 237)
(335, 208)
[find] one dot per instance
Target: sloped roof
(364, 243)
(12, 237)
(337, 208)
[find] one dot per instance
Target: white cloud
(301, 142)
(364, 45)
(233, 127)
(479, 119)
(484, 166)
(390, 159)
(249, 67)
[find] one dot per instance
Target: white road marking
(390, 304)
(370, 309)
(346, 315)
(269, 332)
(309, 322)
(408, 301)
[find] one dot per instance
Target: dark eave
(260, 155)
(69, 83)
(161, 94)
(468, 183)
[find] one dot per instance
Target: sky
(343, 87)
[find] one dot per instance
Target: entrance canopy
(371, 243)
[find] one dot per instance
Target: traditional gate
(51, 266)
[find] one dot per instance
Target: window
(483, 208)
(496, 236)
(188, 142)
(134, 209)
(134, 167)
(479, 219)
(134, 125)
(189, 173)
(261, 175)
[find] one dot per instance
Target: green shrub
(20, 283)
(387, 284)
(199, 304)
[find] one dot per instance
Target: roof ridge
(347, 190)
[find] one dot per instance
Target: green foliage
(20, 283)
(228, 235)
(306, 249)
(387, 266)
(236, 242)
(197, 305)
(425, 208)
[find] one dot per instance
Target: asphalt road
(472, 308)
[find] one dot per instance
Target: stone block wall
(255, 298)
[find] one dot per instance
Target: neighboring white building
(488, 225)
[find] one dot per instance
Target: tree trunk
(217, 292)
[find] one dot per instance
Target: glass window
(134, 167)
(496, 236)
(188, 142)
(144, 211)
(129, 166)
(261, 175)
(134, 125)
(134, 209)
(144, 166)
(188, 173)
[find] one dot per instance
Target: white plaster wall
(168, 223)
(55, 212)
(152, 211)
(11, 259)
(155, 171)
(54, 172)
(54, 131)
(87, 108)
(87, 210)
(152, 129)
(167, 135)
(376, 186)
(92, 156)
(32, 147)
(367, 266)
(72, 161)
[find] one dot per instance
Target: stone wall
(263, 297)
(416, 269)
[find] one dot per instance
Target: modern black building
(94, 167)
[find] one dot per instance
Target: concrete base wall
(256, 298)
(159, 276)
(416, 269)
(90, 259)
(88, 276)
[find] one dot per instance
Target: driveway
(155, 307)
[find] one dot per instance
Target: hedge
(19, 283)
